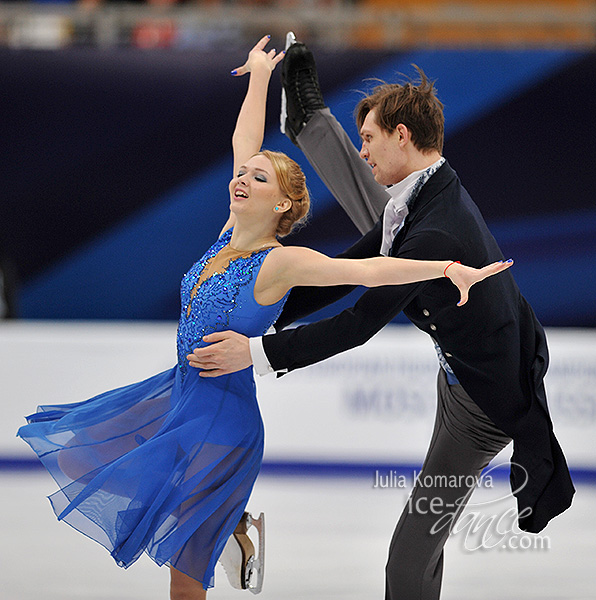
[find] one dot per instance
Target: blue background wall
(116, 163)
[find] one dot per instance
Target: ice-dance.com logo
(481, 527)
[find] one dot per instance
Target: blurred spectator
(155, 32)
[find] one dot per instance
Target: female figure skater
(166, 466)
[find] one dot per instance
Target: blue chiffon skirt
(164, 466)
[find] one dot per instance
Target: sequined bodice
(222, 301)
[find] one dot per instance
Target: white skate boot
(244, 569)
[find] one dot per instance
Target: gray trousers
(337, 162)
(464, 439)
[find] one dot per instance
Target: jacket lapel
(434, 186)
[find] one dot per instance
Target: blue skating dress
(166, 466)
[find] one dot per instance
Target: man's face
(383, 151)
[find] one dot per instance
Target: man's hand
(228, 352)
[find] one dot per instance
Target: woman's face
(255, 188)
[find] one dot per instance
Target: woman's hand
(258, 58)
(465, 277)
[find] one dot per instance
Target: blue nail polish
(510, 260)
(234, 72)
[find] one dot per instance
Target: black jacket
(494, 344)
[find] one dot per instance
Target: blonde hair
(292, 183)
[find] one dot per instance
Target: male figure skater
(492, 351)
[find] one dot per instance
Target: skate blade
(290, 39)
(255, 571)
(244, 569)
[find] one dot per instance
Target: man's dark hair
(414, 105)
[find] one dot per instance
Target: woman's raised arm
(250, 125)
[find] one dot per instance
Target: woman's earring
(276, 208)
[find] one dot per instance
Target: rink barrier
(373, 406)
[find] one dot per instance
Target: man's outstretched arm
(308, 344)
(291, 349)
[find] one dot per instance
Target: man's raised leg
(312, 127)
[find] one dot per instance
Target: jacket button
(426, 313)
(433, 327)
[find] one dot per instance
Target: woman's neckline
(262, 247)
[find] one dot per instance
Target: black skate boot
(301, 93)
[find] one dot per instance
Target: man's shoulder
(446, 209)
(445, 195)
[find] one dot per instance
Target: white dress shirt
(260, 362)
